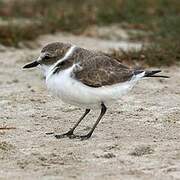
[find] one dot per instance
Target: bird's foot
(68, 134)
(82, 137)
(49, 133)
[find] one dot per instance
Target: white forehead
(42, 54)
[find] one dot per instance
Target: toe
(49, 133)
(85, 137)
(60, 136)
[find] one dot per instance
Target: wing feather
(102, 70)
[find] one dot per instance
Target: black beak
(31, 65)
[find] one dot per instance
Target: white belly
(76, 93)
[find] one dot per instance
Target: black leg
(103, 111)
(70, 132)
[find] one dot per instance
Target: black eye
(46, 57)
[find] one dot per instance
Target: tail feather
(150, 73)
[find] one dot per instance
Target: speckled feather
(96, 69)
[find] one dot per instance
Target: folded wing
(101, 70)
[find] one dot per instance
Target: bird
(86, 78)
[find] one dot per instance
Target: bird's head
(49, 55)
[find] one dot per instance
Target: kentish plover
(85, 78)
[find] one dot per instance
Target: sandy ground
(139, 137)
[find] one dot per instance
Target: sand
(138, 138)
